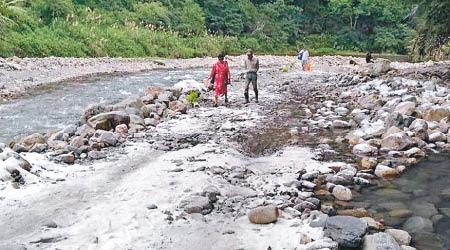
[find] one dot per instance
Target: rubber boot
(246, 98)
(256, 96)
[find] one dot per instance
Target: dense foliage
(188, 28)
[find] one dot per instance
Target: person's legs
(304, 62)
(255, 86)
(247, 84)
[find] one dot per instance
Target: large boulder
(380, 241)
(435, 113)
(263, 215)
(346, 230)
(394, 119)
(188, 85)
(108, 121)
(378, 68)
(397, 142)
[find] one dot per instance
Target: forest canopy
(188, 28)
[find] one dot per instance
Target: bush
(54, 9)
(153, 13)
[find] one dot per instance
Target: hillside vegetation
(192, 28)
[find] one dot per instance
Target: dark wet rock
(108, 121)
(428, 241)
(380, 241)
(96, 155)
(50, 224)
(346, 230)
(418, 224)
(152, 206)
(423, 209)
(263, 215)
(19, 148)
(196, 204)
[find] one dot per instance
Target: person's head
(221, 57)
(249, 53)
(304, 47)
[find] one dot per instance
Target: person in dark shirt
(369, 57)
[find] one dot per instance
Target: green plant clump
(193, 97)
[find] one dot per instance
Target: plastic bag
(308, 66)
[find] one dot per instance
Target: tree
(153, 13)
(348, 9)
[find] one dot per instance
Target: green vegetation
(192, 28)
(193, 97)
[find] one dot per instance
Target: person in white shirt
(305, 57)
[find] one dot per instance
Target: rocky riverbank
(232, 177)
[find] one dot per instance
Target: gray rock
(39, 148)
(423, 209)
(380, 241)
(310, 175)
(405, 108)
(319, 221)
(394, 119)
(402, 237)
(85, 131)
(108, 121)
(346, 230)
(152, 206)
(106, 137)
(196, 204)
(418, 224)
(96, 155)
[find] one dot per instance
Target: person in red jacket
(222, 77)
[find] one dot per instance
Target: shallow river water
(57, 106)
(418, 202)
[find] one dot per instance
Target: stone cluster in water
(390, 123)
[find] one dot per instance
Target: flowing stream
(418, 202)
(55, 106)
